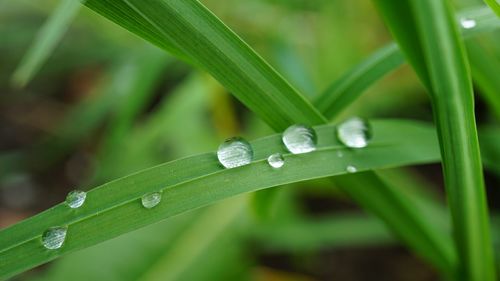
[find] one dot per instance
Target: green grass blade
(346, 89)
(484, 67)
(188, 26)
(350, 86)
(207, 228)
(314, 234)
(494, 6)
(196, 181)
(437, 55)
(46, 40)
(413, 226)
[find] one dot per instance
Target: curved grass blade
(346, 89)
(484, 67)
(191, 244)
(188, 26)
(425, 239)
(350, 85)
(335, 231)
(196, 181)
(46, 40)
(494, 6)
(437, 54)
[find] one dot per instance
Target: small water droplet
(467, 23)
(354, 132)
(276, 160)
(76, 198)
(299, 139)
(235, 152)
(351, 169)
(53, 238)
(340, 154)
(150, 200)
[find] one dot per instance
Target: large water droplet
(351, 169)
(354, 132)
(467, 23)
(151, 199)
(76, 198)
(276, 160)
(299, 139)
(235, 152)
(53, 238)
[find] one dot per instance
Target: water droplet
(151, 199)
(53, 238)
(351, 169)
(354, 132)
(76, 198)
(467, 23)
(299, 139)
(340, 154)
(235, 152)
(276, 160)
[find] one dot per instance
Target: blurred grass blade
(46, 40)
(188, 27)
(346, 89)
(437, 54)
(196, 181)
(494, 6)
(484, 66)
(349, 86)
(413, 225)
(314, 234)
(206, 229)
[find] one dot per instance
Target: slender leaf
(350, 85)
(314, 234)
(46, 40)
(426, 239)
(484, 66)
(346, 89)
(190, 27)
(437, 55)
(192, 244)
(196, 181)
(494, 6)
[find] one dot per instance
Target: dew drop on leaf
(53, 238)
(150, 200)
(235, 152)
(354, 133)
(76, 198)
(351, 169)
(467, 23)
(276, 160)
(300, 139)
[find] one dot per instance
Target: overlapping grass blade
(349, 87)
(188, 26)
(346, 89)
(432, 245)
(46, 40)
(484, 67)
(437, 55)
(196, 181)
(494, 6)
(222, 53)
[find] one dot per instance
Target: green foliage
(438, 56)
(135, 129)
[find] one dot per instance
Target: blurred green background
(106, 103)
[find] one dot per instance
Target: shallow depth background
(106, 104)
